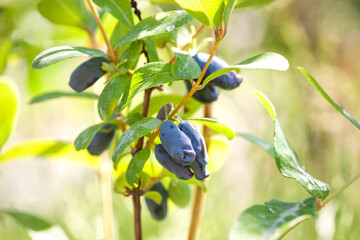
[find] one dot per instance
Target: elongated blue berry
(208, 94)
(176, 143)
(101, 140)
(87, 73)
(162, 156)
(158, 211)
(161, 114)
(227, 81)
(199, 165)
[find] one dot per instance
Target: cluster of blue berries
(183, 150)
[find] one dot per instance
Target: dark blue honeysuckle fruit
(176, 143)
(165, 160)
(199, 165)
(87, 73)
(101, 140)
(158, 211)
(208, 94)
(227, 81)
(161, 114)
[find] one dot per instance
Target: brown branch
(137, 212)
(199, 201)
(98, 21)
(136, 10)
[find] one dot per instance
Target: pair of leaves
(8, 108)
(267, 60)
(272, 220)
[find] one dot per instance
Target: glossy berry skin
(162, 156)
(101, 140)
(176, 143)
(161, 114)
(199, 165)
(208, 94)
(158, 211)
(87, 73)
(227, 81)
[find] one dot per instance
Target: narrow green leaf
(267, 146)
(28, 220)
(153, 195)
(9, 101)
(50, 149)
(219, 152)
(147, 76)
(57, 54)
(150, 46)
(185, 67)
(136, 166)
(157, 24)
(11, 229)
(157, 102)
(5, 48)
(228, 9)
(67, 12)
(179, 192)
(267, 60)
(286, 159)
(52, 95)
(136, 131)
(328, 98)
(272, 220)
(85, 137)
(121, 9)
(216, 126)
(208, 13)
(130, 56)
(109, 97)
(251, 3)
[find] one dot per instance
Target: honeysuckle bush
(141, 59)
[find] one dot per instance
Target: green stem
(342, 188)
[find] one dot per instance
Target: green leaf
(286, 159)
(219, 152)
(67, 12)
(121, 9)
(57, 54)
(185, 67)
(150, 46)
(153, 195)
(179, 192)
(157, 24)
(51, 95)
(130, 56)
(147, 76)
(193, 180)
(5, 48)
(208, 13)
(28, 220)
(9, 101)
(136, 166)
(267, 60)
(328, 98)
(136, 131)
(251, 3)
(11, 229)
(272, 220)
(157, 102)
(228, 9)
(267, 146)
(216, 126)
(50, 149)
(109, 97)
(85, 137)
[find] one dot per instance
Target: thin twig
(342, 188)
(98, 21)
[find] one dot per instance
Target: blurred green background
(322, 36)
